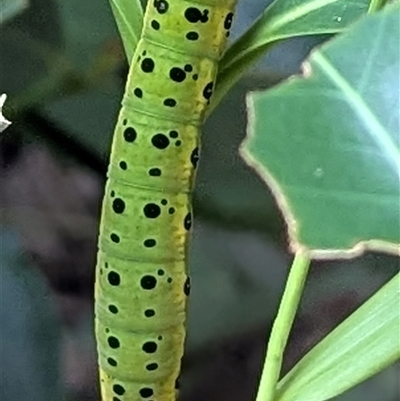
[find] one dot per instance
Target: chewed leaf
(328, 143)
(4, 123)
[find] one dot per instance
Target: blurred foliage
(30, 339)
(10, 8)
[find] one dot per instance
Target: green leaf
(129, 17)
(328, 143)
(281, 20)
(364, 344)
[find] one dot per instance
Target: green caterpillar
(142, 281)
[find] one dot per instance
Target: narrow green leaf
(284, 19)
(328, 143)
(129, 17)
(281, 20)
(376, 5)
(363, 345)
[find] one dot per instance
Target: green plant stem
(282, 326)
(376, 5)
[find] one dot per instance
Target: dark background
(63, 69)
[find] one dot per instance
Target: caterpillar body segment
(142, 283)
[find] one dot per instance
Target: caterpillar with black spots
(142, 282)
